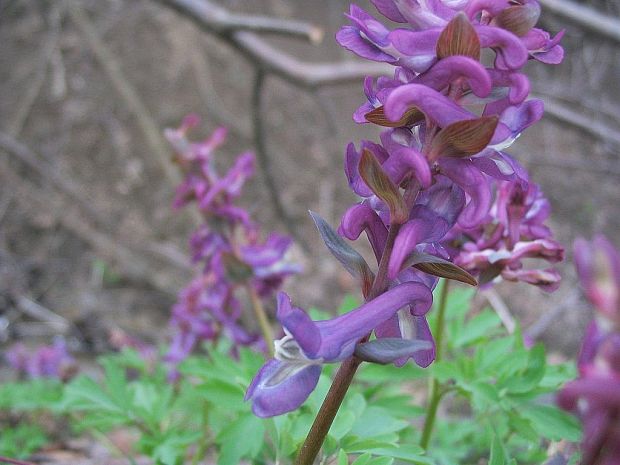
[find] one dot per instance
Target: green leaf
(376, 421)
(533, 373)
(381, 461)
(223, 394)
(343, 459)
(407, 453)
(498, 454)
(478, 327)
(342, 424)
(552, 423)
(242, 438)
(363, 459)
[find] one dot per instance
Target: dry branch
(130, 264)
(272, 60)
(46, 170)
(265, 161)
(565, 114)
(225, 22)
(132, 100)
(585, 16)
(78, 195)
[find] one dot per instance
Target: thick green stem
(324, 419)
(436, 391)
(261, 316)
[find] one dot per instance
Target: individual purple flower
(514, 230)
(51, 361)
(598, 267)
(285, 382)
(595, 395)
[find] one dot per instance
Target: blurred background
(89, 243)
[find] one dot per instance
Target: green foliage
(492, 388)
(22, 403)
(22, 440)
(501, 383)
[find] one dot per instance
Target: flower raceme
(228, 245)
(595, 395)
(439, 197)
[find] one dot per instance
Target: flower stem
(436, 391)
(261, 316)
(324, 419)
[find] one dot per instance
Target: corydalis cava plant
(595, 395)
(228, 246)
(437, 191)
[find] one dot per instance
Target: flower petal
(270, 398)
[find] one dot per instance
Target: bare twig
(45, 169)
(270, 59)
(546, 319)
(565, 114)
(573, 166)
(112, 68)
(77, 194)
(38, 311)
(24, 106)
(265, 161)
(131, 264)
(585, 16)
(225, 22)
(502, 310)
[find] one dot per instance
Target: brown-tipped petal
(464, 138)
(459, 38)
(518, 19)
(409, 118)
(379, 182)
(439, 267)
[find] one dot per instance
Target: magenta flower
(598, 267)
(228, 245)
(285, 382)
(51, 361)
(595, 395)
(436, 192)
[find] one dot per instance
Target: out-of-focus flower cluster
(52, 361)
(595, 395)
(228, 246)
(440, 197)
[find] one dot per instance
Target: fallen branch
(502, 310)
(546, 319)
(225, 22)
(151, 131)
(132, 265)
(565, 114)
(265, 161)
(272, 60)
(46, 170)
(585, 16)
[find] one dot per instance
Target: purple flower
(51, 361)
(285, 382)
(514, 231)
(595, 395)
(598, 267)
(228, 245)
